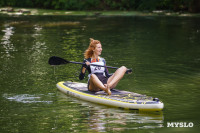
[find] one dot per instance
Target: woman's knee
(92, 76)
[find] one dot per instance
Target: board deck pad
(119, 95)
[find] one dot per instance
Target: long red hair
(89, 51)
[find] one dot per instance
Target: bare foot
(107, 90)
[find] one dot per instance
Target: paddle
(54, 60)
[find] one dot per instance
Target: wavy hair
(89, 51)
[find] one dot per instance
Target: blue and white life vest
(97, 69)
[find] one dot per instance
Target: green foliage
(175, 5)
(148, 4)
(76, 4)
(2, 3)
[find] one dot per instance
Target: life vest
(97, 69)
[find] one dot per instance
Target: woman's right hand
(87, 63)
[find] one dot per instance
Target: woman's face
(98, 49)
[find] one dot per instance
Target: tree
(194, 6)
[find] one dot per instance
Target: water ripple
(26, 98)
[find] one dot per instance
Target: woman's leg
(96, 84)
(116, 77)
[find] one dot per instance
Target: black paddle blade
(57, 61)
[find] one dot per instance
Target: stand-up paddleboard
(119, 98)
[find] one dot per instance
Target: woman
(99, 78)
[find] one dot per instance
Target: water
(164, 53)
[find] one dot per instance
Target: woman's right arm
(82, 74)
(83, 69)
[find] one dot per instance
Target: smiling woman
(99, 78)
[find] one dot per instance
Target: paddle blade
(57, 61)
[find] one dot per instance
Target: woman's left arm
(106, 70)
(107, 73)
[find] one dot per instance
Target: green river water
(164, 53)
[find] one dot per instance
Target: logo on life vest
(97, 69)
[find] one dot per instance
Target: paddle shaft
(92, 64)
(60, 61)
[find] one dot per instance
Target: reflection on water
(38, 29)
(6, 42)
(101, 118)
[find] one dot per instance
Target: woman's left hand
(128, 71)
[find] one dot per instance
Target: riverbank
(34, 11)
